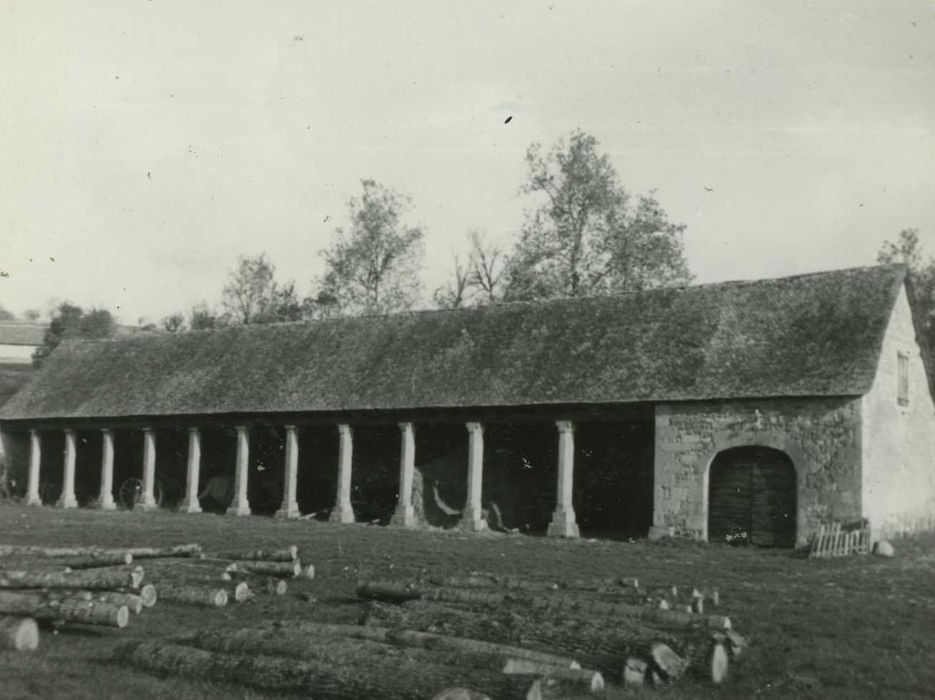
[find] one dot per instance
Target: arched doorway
(752, 490)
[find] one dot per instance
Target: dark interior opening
(613, 481)
(318, 470)
(375, 473)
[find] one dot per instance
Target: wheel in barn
(131, 492)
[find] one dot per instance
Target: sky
(146, 144)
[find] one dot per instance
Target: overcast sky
(144, 144)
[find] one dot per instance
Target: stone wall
(899, 439)
(822, 436)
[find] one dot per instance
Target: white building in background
(18, 340)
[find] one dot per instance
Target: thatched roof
(810, 335)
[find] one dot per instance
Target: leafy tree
(586, 236)
(201, 318)
(31, 314)
(252, 294)
(907, 249)
(372, 266)
(70, 321)
(174, 323)
(6, 315)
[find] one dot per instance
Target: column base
(405, 516)
(288, 511)
(563, 524)
(190, 507)
(472, 520)
(67, 502)
(107, 504)
(239, 509)
(144, 506)
(33, 501)
(342, 513)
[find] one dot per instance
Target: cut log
(181, 550)
(596, 644)
(212, 597)
(290, 553)
(418, 639)
(147, 594)
(63, 607)
(666, 662)
(275, 586)
(133, 602)
(489, 581)
(290, 569)
(241, 592)
(362, 668)
(393, 591)
(309, 571)
(18, 634)
(582, 678)
(92, 579)
(635, 672)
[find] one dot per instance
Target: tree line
(582, 234)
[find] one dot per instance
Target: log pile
(632, 634)
(106, 587)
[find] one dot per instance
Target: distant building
(18, 340)
(759, 409)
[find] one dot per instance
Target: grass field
(860, 627)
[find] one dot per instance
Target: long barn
(763, 408)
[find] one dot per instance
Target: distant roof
(21, 333)
(809, 335)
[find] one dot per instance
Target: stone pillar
(472, 516)
(240, 504)
(147, 499)
(67, 499)
(193, 475)
(343, 511)
(105, 501)
(290, 507)
(563, 519)
(35, 457)
(405, 516)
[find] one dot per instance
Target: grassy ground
(849, 628)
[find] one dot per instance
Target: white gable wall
(898, 442)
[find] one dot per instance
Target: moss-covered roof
(809, 335)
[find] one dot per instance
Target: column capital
(70, 431)
(565, 426)
(290, 428)
(34, 432)
(344, 428)
(192, 429)
(107, 431)
(242, 428)
(406, 426)
(474, 427)
(148, 429)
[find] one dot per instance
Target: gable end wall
(822, 436)
(899, 441)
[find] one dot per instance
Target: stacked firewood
(631, 634)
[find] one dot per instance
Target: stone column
(472, 517)
(105, 501)
(405, 516)
(240, 504)
(290, 507)
(67, 499)
(193, 475)
(35, 457)
(343, 512)
(563, 519)
(147, 499)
